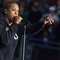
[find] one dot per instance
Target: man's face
(12, 11)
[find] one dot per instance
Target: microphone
(20, 19)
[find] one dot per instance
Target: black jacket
(9, 37)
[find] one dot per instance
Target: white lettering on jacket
(15, 36)
(7, 29)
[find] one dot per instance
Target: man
(9, 26)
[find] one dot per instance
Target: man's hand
(48, 20)
(18, 19)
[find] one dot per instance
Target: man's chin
(12, 20)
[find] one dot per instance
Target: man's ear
(5, 11)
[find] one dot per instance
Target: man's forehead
(14, 4)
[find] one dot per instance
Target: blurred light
(52, 8)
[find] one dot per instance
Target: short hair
(8, 5)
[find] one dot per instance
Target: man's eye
(13, 10)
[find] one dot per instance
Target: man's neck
(9, 23)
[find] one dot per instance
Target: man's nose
(16, 14)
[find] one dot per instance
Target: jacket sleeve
(6, 33)
(30, 28)
(34, 27)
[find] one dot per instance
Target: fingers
(50, 20)
(21, 18)
(45, 22)
(18, 19)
